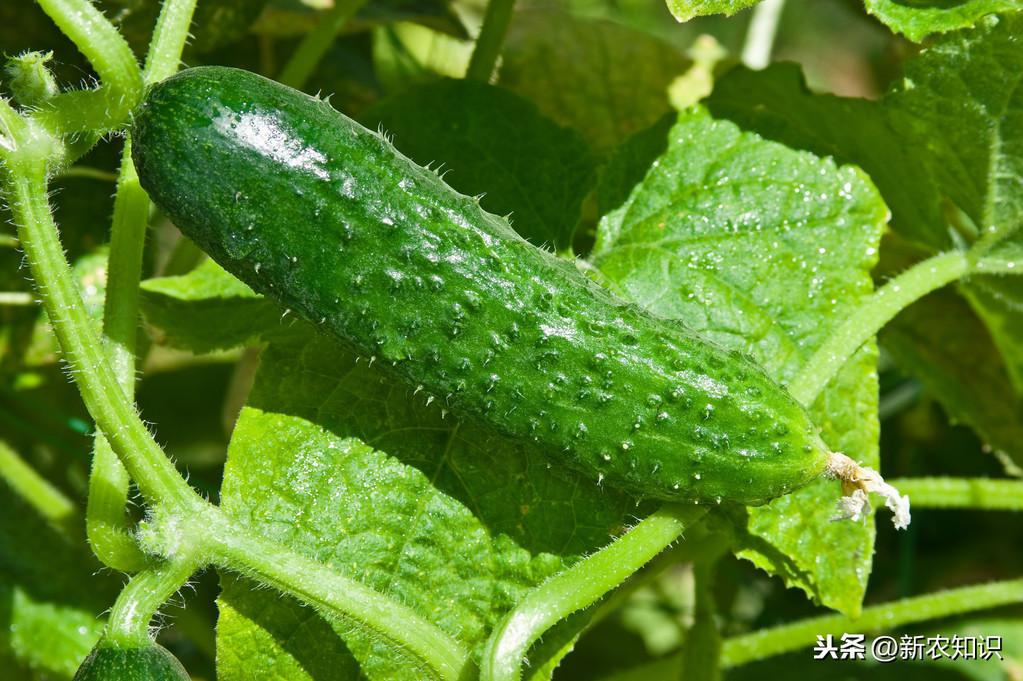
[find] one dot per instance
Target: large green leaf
(601, 78)
(764, 249)
(490, 141)
(206, 309)
(339, 461)
(999, 302)
(917, 19)
(961, 101)
(940, 341)
(946, 150)
(951, 129)
(776, 104)
(628, 164)
(50, 594)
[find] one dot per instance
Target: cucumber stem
(763, 27)
(168, 41)
(316, 43)
(857, 483)
(490, 40)
(231, 546)
(88, 173)
(26, 192)
(967, 493)
(106, 108)
(579, 587)
(107, 524)
(870, 316)
(701, 654)
(145, 593)
(887, 616)
(17, 298)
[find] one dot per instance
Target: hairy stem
(702, 543)
(145, 593)
(490, 40)
(97, 39)
(872, 314)
(93, 111)
(168, 40)
(316, 43)
(579, 587)
(701, 654)
(36, 490)
(106, 522)
(786, 638)
(980, 494)
(321, 587)
(999, 264)
(160, 482)
(80, 344)
(763, 27)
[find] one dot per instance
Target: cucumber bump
(326, 217)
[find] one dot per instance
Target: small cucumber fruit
(110, 662)
(313, 210)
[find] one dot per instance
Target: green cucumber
(111, 662)
(326, 217)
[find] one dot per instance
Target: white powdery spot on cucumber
(857, 483)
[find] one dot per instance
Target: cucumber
(326, 217)
(109, 662)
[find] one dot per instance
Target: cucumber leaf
(339, 461)
(974, 149)
(941, 342)
(920, 18)
(603, 79)
(406, 55)
(50, 594)
(490, 141)
(683, 246)
(961, 101)
(998, 301)
(207, 309)
(951, 131)
(777, 104)
(959, 173)
(438, 15)
(684, 10)
(629, 162)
